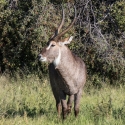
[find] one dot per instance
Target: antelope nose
(39, 56)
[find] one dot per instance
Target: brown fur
(66, 78)
(67, 72)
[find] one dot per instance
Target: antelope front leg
(59, 107)
(77, 97)
(64, 105)
(69, 103)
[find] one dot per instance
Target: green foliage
(21, 34)
(18, 101)
(62, 1)
(29, 101)
(118, 12)
(99, 36)
(102, 42)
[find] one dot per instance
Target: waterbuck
(67, 72)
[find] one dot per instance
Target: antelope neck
(64, 60)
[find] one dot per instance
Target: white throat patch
(57, 60)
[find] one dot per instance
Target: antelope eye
(52, 45)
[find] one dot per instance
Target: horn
(60, 26)
(69, 27)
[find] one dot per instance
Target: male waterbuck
(67, 72)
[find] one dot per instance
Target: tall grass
(31, 102)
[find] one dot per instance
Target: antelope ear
(68, 40)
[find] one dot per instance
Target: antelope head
(52, 52)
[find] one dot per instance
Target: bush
(118, 12)
(26, 26)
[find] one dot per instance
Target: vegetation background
(99, 39)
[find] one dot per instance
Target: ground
(29, 101)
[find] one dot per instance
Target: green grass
(31, 102)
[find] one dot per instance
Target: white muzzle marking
(43, 59)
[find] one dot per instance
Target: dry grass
(30, 101)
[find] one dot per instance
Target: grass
(31, 102)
